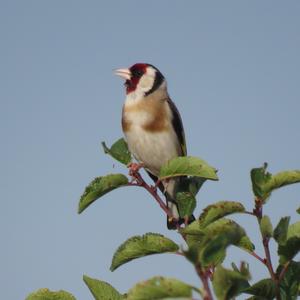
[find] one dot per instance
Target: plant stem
(138, 180)
(257, 257)
(179, 253)
(249, 213)
(153, 192)
(204, 276)
(268, 258)
(283, 271)
(141, 183)
(258, 212)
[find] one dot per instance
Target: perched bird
(152, 126)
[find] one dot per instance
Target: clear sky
(233, 69)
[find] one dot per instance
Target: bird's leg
(155, 186)
(134, 171)
(135, 167)
(186, 221)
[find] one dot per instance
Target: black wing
(177, 125)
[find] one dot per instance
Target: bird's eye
(137, 73)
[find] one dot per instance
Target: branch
(153, 192)
(179, 253)
(137, 180)
(283, 271)
(258, 212)
(262, 260)
(268, 258)
(204, 276)
(249, 213)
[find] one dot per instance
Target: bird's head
(141, 78)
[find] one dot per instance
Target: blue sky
(233, 71)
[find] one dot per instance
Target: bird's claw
(134, 167)
(154, 188)
(134, 170)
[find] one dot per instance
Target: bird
(153, 128)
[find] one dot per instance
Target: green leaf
(280, 232)
(294, 230)
(218, 210)
(101, 290)
(213, 251)
(290, 249)
(190, 184)
(186, 202)
(264, 288)
(292, 245)
(266, 227)
(158, 288)
(45, 294)
(228, 283)
(119, 151)
(290, 283)
(282, 179)
(99, 187)
(208, 245)
(246, 244)
(188, 166)
(298, 210)
(259, 178)
(263, 182)
(244, 269)
(139, 246)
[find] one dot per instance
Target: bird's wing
(177, 126)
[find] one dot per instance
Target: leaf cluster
(206, 240)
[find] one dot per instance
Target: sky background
(233, 70)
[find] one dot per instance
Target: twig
(262, 260)
(258, 212)
(249, 213)
(283, 271)
(179, 253)
(204, 275)
(268, 258)
(142, 183)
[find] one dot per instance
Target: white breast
(152, 149)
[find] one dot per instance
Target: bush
(206, 239)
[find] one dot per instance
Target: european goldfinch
(152, 126)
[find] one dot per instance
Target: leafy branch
(205, 240)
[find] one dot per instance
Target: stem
(204, 275)
(262, 260)
(249, 213)
(258, 212)
(179, 253)
(141, 183)
(268, 258)
(283, 271)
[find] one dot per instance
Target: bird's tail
(170, 191)
(168, 188)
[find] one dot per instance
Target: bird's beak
(124, 73)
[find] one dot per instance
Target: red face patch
(137, 71)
